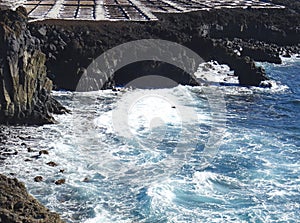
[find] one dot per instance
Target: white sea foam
(212, 73)
(105, 216)
(116, 179)
(290, 60)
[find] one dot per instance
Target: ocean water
(186, 154)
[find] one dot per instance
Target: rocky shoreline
(236, 37)
(16, 205)
(37, 57)
(41, 55)
(25, 89)
(25, 98)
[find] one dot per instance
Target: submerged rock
(16, 205)
(60, 181)
(45, 152)
(38, 179)
(53, 164)
(24, 87)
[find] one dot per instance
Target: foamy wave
(288, 60)
(253, 177)
(212, 73)
(104, 216)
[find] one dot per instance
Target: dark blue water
(173, 160)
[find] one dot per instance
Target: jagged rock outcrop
(16, 205)
(24, 87)
(230, 36)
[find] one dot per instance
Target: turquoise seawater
(153, 167)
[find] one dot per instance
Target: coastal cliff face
(236, 37)
(16, 205)
(24, 87)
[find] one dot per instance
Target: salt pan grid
(127, 10)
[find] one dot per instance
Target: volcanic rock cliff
(24, 87)
(236, 37)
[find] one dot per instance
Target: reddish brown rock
(60, 181)
(16, 205)
(38, 179)
(51, 163)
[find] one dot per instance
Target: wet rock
(286, 54)
(35, 156)
(53, 164)
(45, 152)
(265, 84)
(60, 182)
(16, 205)
(30, 150)
(38, 179)
(248, 73)
(22, 138)
(86, 179)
